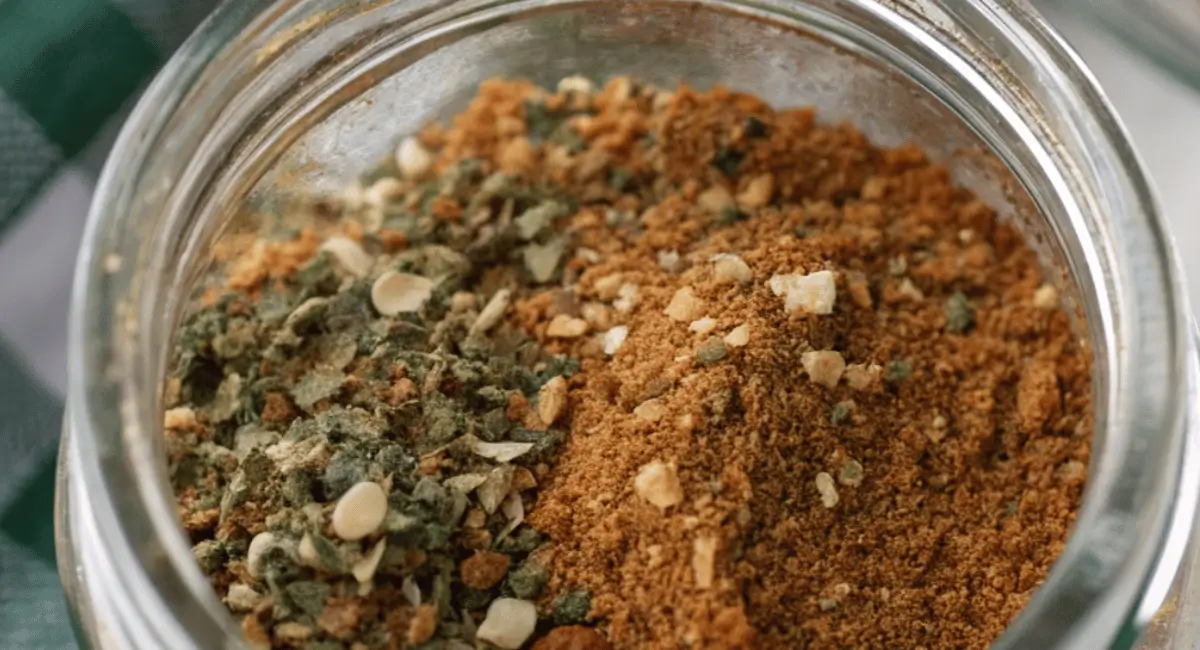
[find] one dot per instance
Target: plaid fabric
(68, 70)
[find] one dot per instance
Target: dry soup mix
(627, 367)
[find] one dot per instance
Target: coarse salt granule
(413, 159)
(814, 293)
(731, 269)
(738, 337)
(1046, 297)
(509, 623)
(824, 367)
(685, 307)
(614, 339)
(659, 485)
(828, 491)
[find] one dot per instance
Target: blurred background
(70, 71)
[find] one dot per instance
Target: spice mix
(626, 367)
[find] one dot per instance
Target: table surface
(1163, 117)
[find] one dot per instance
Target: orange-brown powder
(972, 466)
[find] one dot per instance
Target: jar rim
(1098, 578)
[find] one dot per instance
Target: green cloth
(67, 69)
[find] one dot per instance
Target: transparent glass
(275, 94)
(1166, 31)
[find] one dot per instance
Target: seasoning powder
(630, 368)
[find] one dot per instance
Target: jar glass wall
(308, 93)
(1165, 31)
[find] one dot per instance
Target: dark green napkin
(68, 68)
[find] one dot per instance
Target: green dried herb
(273, 307)
(320, 384)
(441, 594)
(297, 488)
(318, 277)
(840, 413)
(618, 178)
(210, 555)
(347, 467)
(569, 138)
(436, 536)
(851, 473)
(960, 316)
(474, 599)
(396, 460)
(572, 607)
(337, 424)
(460, 177)
(307, 596)
(728, 161)
(897, 371)
(528, 580)
(711, 351)
(442, 419)
(495, 425)
(525, 539)
(238, 339)
(327, 553)
(755, 128)
(279, 566)
(540, 123)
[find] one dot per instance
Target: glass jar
(1165, 31)
(272, 94)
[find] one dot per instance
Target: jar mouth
(265, 72)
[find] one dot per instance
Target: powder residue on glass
(626, 367)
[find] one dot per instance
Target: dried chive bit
(711, 351)
(618, 178)
(307, 596)
(210, 555)
(572, 607)
(755, 128)
(960, 316)
(730, 215)
(851, 473)
(528, 580)
(897, 371)
(728, 161)
(539, 122)
(569, 138)
(840, 413)
(327, 554)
